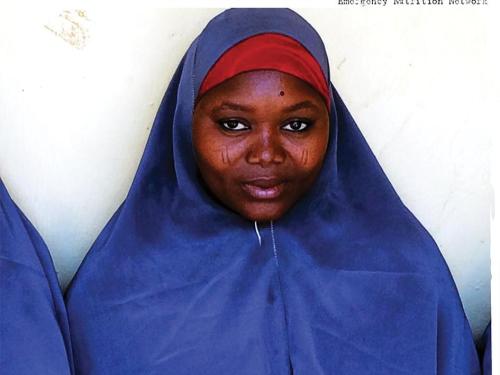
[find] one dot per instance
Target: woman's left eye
(296, 126)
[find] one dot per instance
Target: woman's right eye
(234, 125)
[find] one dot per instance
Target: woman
(34, 333)
(260, 235)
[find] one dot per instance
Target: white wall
(79, 91)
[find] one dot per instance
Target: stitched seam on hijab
(275, 251)
(274, 245)
(193, 94)
(258, 234)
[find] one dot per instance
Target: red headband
(268, 51)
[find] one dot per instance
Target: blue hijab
(347, 282)
(486, 351)
(34, 332)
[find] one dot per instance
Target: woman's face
(260, 139)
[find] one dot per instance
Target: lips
(264, 188)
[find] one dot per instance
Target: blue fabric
(34, 332)
(348, 282)
(486, 357)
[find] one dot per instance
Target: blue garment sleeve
(34, 331)
(456, 351)
(486, 353)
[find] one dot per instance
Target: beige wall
(79, 90)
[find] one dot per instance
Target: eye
(296, 126)
(234, 125)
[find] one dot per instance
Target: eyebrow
(243, 108)
(235, 106)
(301, 105)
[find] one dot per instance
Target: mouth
(264, 188)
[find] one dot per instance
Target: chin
(263, 212)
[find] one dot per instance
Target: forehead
(261, 86)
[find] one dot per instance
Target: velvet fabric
(347, 282)
(34, 332)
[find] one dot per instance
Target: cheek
(216, 162)
(308, 154)
(230, 153)
(209, 154)
(218, 157)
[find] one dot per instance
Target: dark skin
(260, 139)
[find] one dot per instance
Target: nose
(266, 148)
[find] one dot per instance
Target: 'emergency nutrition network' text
(413, 2)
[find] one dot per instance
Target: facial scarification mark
(305, 156)
(225, 156)
(70, 26)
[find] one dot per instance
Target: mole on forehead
(282, 93)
